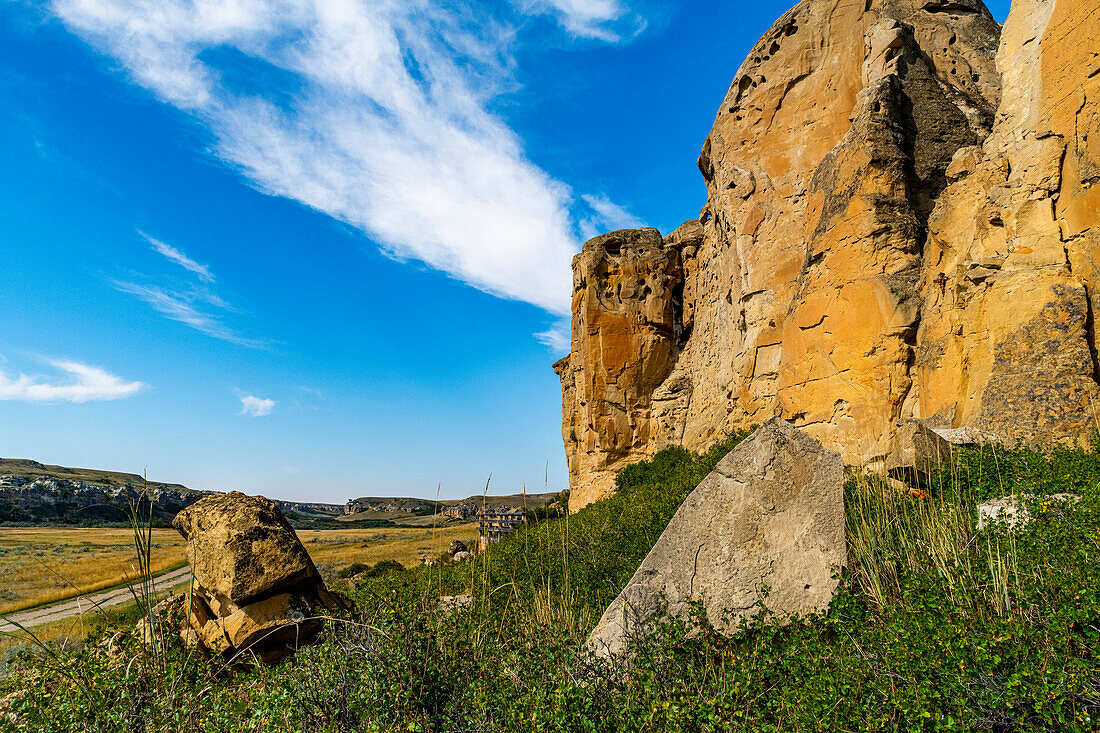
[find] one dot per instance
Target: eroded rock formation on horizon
(885, 238)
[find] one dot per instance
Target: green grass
(33, 470)
(934, 627)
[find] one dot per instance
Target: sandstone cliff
(884, 238)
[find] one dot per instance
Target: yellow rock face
(626, 295)
(884, 239)
(1007, 340)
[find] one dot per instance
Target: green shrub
(354, 569)
(935, 626)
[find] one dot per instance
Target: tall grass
(892, 533)
(936, 627)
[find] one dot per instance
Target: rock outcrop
(884, 239)
(626, 300)
(918, 452)
(255, 587)
(770, 514)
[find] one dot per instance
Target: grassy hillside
(33, 469)
(935, 627)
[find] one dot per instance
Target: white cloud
(557, 337)
(290, 469)
(256, 406)
(376, 113)
(84, 384)
(606, 216)
(188, 307)
(604, 20)
(167, 250)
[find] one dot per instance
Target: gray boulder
(770, 514)
(1013, 511)
(918, 452)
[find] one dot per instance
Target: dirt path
(84, 604)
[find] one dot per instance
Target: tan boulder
(918, 452)
(240, 547)
(770, 515)
(255, 587)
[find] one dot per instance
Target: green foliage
(935, 626)
(382, 567)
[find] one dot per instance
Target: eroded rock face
(626, 330)
(256, 588)
(883, 240)
(771, 513)
(1008, 343)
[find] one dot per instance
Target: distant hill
(24, 468)
(39, 493)
(531, 501)
(403, 510)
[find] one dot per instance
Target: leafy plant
(935, 626)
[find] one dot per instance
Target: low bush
(935, 626)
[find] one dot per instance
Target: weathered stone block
(770, 515)
(241, 547)
(918, 452)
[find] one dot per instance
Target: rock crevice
(893, 242)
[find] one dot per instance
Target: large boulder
(770, 515)
(256, 588)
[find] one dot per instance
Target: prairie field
(337, 548)
(45, 564)
(41, 565)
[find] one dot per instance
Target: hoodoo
(887, 237)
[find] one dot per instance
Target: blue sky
(319, 250)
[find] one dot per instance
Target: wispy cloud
(606, 216)
(294, 470)
(376, 113)
(189, 307)
(557, 337)
(256, 406)
(604, 20)
(76, 382)
(167, 250)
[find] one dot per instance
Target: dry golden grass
(339, 547)
(41, 565)
(45, 564)
(75, 629)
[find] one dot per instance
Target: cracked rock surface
(770, 514)
(886, 238)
